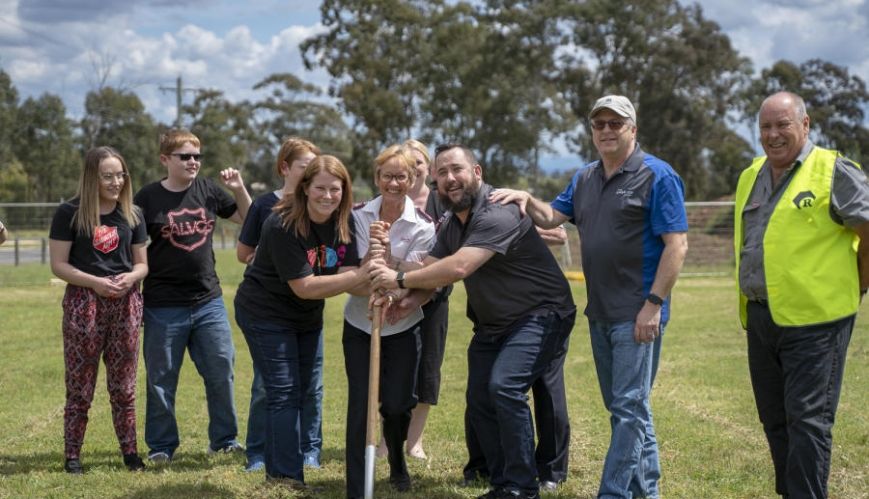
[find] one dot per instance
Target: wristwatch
(399, 278)
(655, 299)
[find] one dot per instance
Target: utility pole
(179, 89)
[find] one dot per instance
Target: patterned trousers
(94, 326)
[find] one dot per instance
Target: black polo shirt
(521, 279)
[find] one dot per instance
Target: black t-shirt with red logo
(104, 253)
(180, 256)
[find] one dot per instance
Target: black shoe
(400, 483)
(73, 466)
(502, 493)
(133, 462)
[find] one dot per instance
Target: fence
(710, 237)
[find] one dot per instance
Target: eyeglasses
(185, 156)
(615, 125)
(108, 177)
(400, 178)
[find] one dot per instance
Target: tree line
(509, 78)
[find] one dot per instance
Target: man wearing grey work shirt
(799, 211)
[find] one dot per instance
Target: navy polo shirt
(620, 222)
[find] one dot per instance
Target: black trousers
(796, 374)
(551, 423)
(433, 334)
(399, 359)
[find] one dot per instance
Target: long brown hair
(87, 217)
(294, 210)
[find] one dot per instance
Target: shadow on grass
(109, 460)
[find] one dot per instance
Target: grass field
(712, 445)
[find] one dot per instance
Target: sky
(67, 47)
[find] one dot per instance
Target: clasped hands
(381, 276)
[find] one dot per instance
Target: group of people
(801, 219)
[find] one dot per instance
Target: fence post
(44, 248)
(17, 256)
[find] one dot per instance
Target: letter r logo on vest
(804, 200)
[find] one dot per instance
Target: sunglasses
(615, 125)
(185, 156)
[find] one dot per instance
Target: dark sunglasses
(615, 125)
(185, 156)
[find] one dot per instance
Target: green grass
(711, 442)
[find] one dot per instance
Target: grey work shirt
(849, 205)
(521, 279)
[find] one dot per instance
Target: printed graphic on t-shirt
(324, 257)
(188, 228)
(106, 239)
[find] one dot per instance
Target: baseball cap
(618, 104)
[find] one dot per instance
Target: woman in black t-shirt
(97, 245)
(306, 253)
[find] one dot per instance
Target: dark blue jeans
(501, 371)
(551, 420)
(796, 374)
(285, 358)
(311, 422)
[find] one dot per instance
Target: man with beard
(518, 300)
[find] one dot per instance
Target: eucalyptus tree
(680, 71)
(117, 118)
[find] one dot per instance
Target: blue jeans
(203, 331)
(285, 359)
(625, 371)
(311, 420)
(501, 370)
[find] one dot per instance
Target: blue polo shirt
(620, 221)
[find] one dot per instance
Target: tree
(679, 70)
(225, 131)
(372, 49)
(118, 119)
(493, 82)
(288, 110)
(43, 143)
(835, 101)
(8, 111)
(481, 74)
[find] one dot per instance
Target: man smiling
(629, 209)
(799, 211)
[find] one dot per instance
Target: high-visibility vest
(809, 260)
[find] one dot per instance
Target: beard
(469, 194)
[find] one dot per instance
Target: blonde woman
(97, 244)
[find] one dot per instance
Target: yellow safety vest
(809, 260)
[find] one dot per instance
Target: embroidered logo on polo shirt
(106, 239)
(187, 229)
(625, 193)
(804, 199)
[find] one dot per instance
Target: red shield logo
(188, 228)
(106, 238)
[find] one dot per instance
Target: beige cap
(618, 104)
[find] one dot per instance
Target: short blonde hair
(404, 156)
